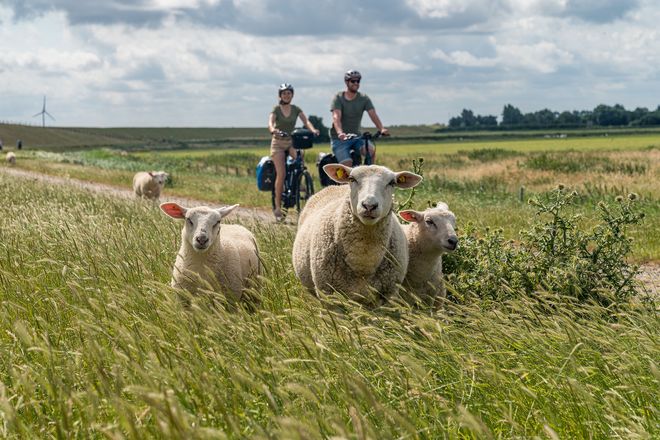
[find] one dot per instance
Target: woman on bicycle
(281, 123)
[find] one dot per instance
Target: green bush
(557, 254)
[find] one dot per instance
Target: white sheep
(149, 184)
(11, 158)
(349, 239)
(430, 234)
(213, 256)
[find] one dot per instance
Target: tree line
(601, 116)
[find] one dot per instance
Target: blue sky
(217, 63)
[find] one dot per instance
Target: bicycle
(298, 183)
(356, 155)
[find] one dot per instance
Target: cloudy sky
(212, 63)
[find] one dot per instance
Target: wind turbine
(43, 114)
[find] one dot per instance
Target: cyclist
(347, 109)
(281, 122)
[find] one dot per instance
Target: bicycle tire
(305, 189)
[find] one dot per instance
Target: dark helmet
(352, 74)
(283, 87)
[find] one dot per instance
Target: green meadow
(485, 181)
(97, 345)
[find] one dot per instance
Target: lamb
(430, 234)
(11, 158)
(149, 184)
(348, 238)
(212, 256)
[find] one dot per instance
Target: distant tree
(487, 121)
(569, 119)
(468, 118)
(511, 115)
(606, 116)
(318, 123)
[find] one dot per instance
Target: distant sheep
(349, 240)
(11, 158)
(430, 234)
(212, 255)
(149, 184)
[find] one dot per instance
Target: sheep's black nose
(369, 206)
(453, 241)
(202, 239)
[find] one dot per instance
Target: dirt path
(649, 273)
(256, 214)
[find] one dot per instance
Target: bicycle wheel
(305, 189)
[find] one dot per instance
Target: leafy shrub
(556, 254)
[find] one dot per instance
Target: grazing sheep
(348, 238)
(212, 255)
(11, 158)
(430, 234)
(149, 184)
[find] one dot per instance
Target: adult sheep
(430, 234)
(349, 239)
(149, 184)
(11, 158)
(213, 256)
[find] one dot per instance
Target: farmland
(481, 179)
(96, 344)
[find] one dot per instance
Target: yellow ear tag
(401, 179)
(340, 173)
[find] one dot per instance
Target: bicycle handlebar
(365, 135)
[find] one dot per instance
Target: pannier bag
(324, 159)
(302, 138)
(265, 174)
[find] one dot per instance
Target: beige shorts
(278, 145)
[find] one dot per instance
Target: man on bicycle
(347, 109)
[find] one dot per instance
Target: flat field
(96, 344)
(486, 182)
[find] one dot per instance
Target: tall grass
(96, 344)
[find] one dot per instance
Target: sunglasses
(354, 81)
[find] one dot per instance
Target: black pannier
(325, 159)
(302, 138)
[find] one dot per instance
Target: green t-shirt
(351, 112)
(283, 123)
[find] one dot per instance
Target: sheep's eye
(217, 224)
(351, 179)
(429, 222)
(189, 221)
(392, 183)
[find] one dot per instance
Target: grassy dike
(96, 344)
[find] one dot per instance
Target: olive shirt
(351, 112)
(286, 123)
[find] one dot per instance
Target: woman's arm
(271, 123)
(308, 124)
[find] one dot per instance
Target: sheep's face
(159, 177)
(372, 188)
(437, 226)
(202, 225)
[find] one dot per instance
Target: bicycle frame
(356, 155)
(295, 173)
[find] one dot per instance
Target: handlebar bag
(302, 138)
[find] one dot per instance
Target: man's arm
(336, 121)
(376, 120)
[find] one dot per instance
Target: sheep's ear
(411, 216)
(174, 210)
(226, 210)
(337, 172)
(151, 173)
(406, 179)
